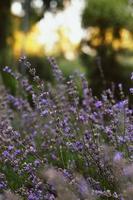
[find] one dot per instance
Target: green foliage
(43, 68)
(9, 82)
(68, 67)
(106, 14)
(14, 180)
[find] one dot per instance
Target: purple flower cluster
(87, 136)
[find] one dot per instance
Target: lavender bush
(59, 146)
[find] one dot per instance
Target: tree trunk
(5, 30)
(6, 38)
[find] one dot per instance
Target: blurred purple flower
(118, 156)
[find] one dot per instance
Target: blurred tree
(5, 29)
(32, 13)
(6, 41)
(104, 21)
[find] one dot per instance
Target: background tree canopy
(106, 14)
(108, 19)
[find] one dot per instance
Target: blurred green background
(92, 36)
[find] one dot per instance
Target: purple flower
(118, 156)
(98, 104)
(83, 187)
(33, 197)
(36, 163)
(131, 90)
(121, 104)
(5, 153)
(10, 147)
(132, 76)
(53, 156)
(78, 146)
(44, 113)
(2, 185)
(17, 152)
(7, 69)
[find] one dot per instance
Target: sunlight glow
(37, 3)
(16, 9)
(57, 33)
(69, 19)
